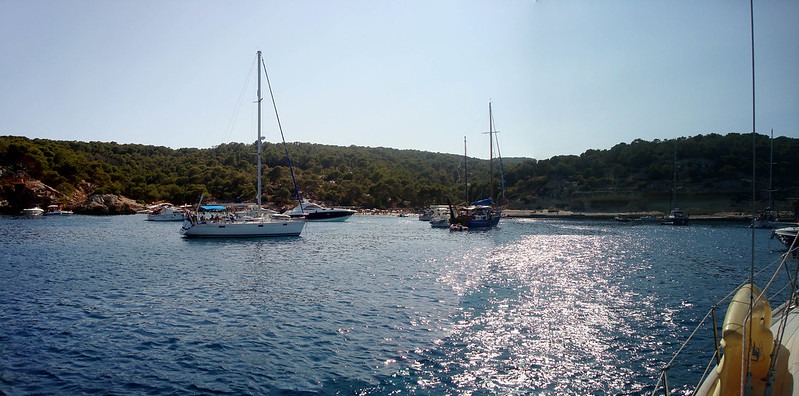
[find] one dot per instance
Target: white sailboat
(263, 224)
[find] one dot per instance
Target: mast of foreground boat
(259, 134)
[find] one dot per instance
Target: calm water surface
(376, 305)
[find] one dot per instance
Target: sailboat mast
(770, 166)
(674, 179)
(465, 171)
(259, 133)
(491, 150)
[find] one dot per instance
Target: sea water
(375, 305)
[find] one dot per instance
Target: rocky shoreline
(20, 193)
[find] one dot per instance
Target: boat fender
(760, 343)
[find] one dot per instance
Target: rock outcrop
(19, 191)
(108, 204)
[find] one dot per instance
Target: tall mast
(770, 165)
(491, 150)
(674, 179)
(259, 133)
(465, 171)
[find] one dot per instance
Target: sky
(563, 76)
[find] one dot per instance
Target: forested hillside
(713, 174)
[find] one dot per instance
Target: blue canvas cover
(212, 208)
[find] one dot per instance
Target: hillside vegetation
(714, 173)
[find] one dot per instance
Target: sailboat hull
(254, 229)
(487, 223)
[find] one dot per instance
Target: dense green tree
(387, 178)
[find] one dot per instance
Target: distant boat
(675, 216)
(433, 211)
(440, 216)
(166, 212)
(482, 213)
(34, 211)
(314, 212)
(261, 225)
(56, 210)
(768, 218)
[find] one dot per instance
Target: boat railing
(793, 297)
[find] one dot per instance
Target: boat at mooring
(315, 212)
(166, 212)
(34, 211)
(57, 210)
(261, 224)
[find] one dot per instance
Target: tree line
(386, 178)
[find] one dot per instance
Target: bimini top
(212, 208)
(486, 201)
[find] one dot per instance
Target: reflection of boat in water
(166, 212)
(261, 225)
(314, 212)
(34, 211)
(458, 227)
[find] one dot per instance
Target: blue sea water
(377, 305)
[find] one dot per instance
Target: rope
(280, 127)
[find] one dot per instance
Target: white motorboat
(260, 225)
(34, 211)
(166, 212)
(56, 210)
(314, 212)
(441, 217)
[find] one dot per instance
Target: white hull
(33, 212)
(439, 222)
(314, 212)
(259, 228)
(331, 219)
(59, 213)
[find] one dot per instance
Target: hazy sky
(564, 76)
